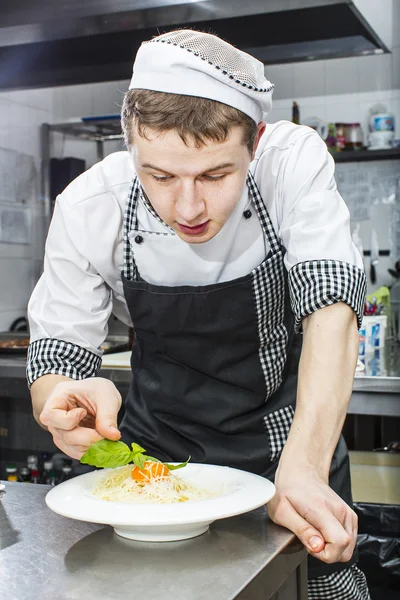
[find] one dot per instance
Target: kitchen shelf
(94, 129)
(97, 129)
(365, 155)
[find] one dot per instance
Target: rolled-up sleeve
(70, 306)
(323, 264)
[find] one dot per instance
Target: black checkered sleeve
(315, 284)
(58, 357)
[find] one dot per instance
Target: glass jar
(353, 135)
(340, 137)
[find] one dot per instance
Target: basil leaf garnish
(180, 466)
(107, 454)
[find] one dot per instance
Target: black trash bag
(379, 545)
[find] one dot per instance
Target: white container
(382, 122)
(380, 140)
(375, 332)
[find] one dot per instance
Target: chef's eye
(214, 177)
(162, 178)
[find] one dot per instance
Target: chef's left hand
(324, 523)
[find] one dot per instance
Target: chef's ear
(260, 130)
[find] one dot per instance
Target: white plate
(242, 492)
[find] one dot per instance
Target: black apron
(215, 366)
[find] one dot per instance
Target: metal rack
(98, 129)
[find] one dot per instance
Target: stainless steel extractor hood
(46, 43)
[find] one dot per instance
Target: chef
(225, 243)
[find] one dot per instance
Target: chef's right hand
(80, 413)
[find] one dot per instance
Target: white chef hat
(194, 63)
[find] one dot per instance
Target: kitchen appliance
(318, 125)
(380, 140)
(381, 128)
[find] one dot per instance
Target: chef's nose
(190, 204)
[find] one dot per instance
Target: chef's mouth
(196, 230)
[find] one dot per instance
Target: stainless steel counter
(46, 556)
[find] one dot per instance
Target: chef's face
(193, 190)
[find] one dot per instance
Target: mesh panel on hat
(237, 65)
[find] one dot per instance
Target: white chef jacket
(81, 284)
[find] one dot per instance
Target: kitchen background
(336, 90)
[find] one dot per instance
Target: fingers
(351, 526)
(74, 443)
(106, 418)
(335, 522)
(325, 524)
(57, 418)
(287, 516)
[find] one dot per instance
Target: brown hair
(196, 119)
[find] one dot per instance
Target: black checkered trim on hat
(315, 284)
(278, 424)
(58, 357)
(349, 584)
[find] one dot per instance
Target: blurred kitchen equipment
(331, 139)
(381, 128)
(318, 125)
(380, 140)
(395, 309)
(353, 136)
(20, 324)
(340, 137)
(295, 113)
(374, 256)
(396, 271)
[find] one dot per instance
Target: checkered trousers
(349, 584)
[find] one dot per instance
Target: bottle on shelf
(52, 478)
(295, 113)
(47, 468)
(35, 476)
(32, 462)
(11, 472)
(25, 475)
(66, 473)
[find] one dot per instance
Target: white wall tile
(341, 76)
(375, 72)
(36, 98)
(396, 23)
(345, 111)
(73, 101)
(282, 76)
(107, 98)
(4, 122)
(309, 79)
(279, 114)
(396, 68)
(18, 276)
(312, 110)
(9, 316)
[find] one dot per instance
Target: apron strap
(130, 222)
(263, 215)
